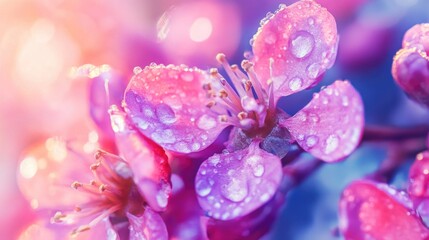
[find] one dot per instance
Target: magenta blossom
(411, 64)
(292, 49)
(376, 211)
(120, 193)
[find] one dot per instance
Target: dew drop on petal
(311, 21)
(258, 170)
(332, 143)
(162, 199)
(165, 114)
(206, 122)
(235, 191)
(313, 70)
(311, 141)
(295, 83)
(203, 188)
(302, 44)
(137, 70)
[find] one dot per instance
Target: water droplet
(311, 21)
(163, 136)
(311, 141)
(302, 44)
(251, 41)
(203, 188)
(313, 70)
(187, 76)
(258, 170)
(137, 70)
(196, 146)
(162, 199)
(182, 147)
(332, 143)
(314, 117)
(264, 197)
(214, 160)
(295, 83)
(235, 190)
(165, 114)
(206, 122)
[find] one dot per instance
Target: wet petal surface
(376, 211)
(168, 105)
(331, 125)
(410, 70)
(295, 46)
(419, 176)
(148, 162)
(231, 185)
(149, 226)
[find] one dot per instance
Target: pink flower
(410, 67)
(116, 194)
(292, 49)
(376, 211)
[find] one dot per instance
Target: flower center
(109, 193)
(244, 103)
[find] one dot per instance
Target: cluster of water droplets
(231, 184)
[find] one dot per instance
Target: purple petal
(252, 226)
(148, 162)
(410, 70)
(331, 125)
(376, 211)
(231, 185)
(417, 37)
(418, 177)
(148, 226)
(295, 46)
(168, 105)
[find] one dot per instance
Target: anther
(214, 71)
(246, 64)
(76, 185)
(94, 166)
(220, 57)
(58, 217)
(242, 115)
(223, 93)
(210, 104)
(79, 230)
(102, 188)
(207, 86)
(222, 118)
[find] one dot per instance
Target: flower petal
(148, 226)
(147, 160)
(410, 70)
(417, 37)
(418, 186)
(167, 104)
(252, 226)
(231, 185)
(331, 125)
(376, 211)
(105, 89)
(295, 46)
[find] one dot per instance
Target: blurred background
(41, 41)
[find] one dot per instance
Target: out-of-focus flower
(292, 50)
(200, 29)
(377, 211)
(121, 192)
(411, 64)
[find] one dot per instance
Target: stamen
(244, 103)
(109, 194)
